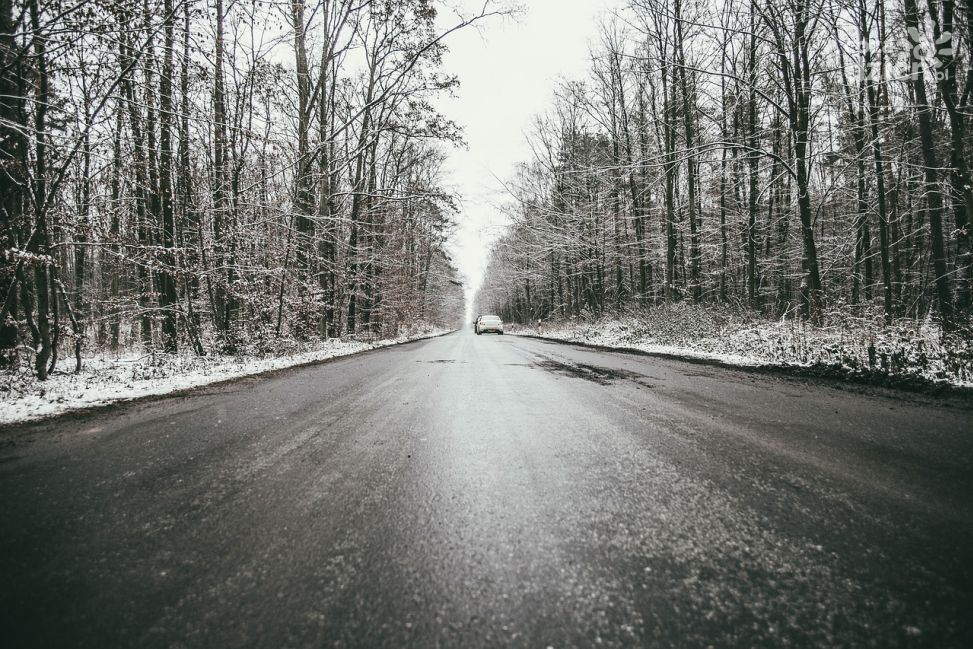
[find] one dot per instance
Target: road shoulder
(871, 383)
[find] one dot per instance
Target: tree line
(789, 156)
(217, 175)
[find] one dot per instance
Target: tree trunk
(168, 299)
(934, 198)
(218, 291)
(688, 112)
(41, 243)
(13, 154)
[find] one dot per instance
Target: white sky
(508, 70)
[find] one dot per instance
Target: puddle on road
(593, 373)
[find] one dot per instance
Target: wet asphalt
(488, 491)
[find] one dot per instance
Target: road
(493, 491)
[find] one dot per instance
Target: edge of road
(831, 375)
(11, 430)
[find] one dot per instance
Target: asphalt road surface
(493, 491)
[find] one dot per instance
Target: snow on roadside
(613, 335)
(862, 346)
(107, 379)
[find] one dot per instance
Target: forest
(221, 176)
(791, 159)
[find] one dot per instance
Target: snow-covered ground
(865, 346)
(107, 379)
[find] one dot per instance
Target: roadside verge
(834, 374)
(106, 381)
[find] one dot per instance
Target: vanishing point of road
(471, 491)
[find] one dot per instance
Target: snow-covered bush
(844, 341)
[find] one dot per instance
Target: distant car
(486, 323)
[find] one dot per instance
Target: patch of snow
(108, 379)
(901, 349)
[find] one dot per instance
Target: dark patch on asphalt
(220, 391)
(593, 373)
(701, 375)
(443, 360)
(863, 381)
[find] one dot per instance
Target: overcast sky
(507, 71)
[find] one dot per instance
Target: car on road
(487, 323)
